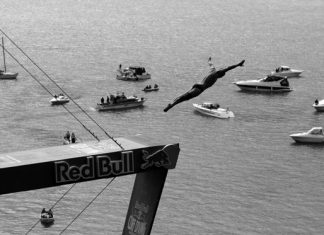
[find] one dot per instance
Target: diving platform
(75, 163)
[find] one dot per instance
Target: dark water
(239, 176)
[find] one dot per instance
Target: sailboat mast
(4, 58)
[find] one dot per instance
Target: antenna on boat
(4, 56)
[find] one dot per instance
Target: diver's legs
(186, 96)
(233, 66)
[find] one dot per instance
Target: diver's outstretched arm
(186, 96)
(233, 66)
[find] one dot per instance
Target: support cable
(42, 85)
(102, 190)
(101, 128)
(111, 137)
(32, 227)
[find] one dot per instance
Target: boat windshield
(284, 68)
(272, 78)
(316, 131)
(210, 106)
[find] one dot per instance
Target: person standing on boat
(102, 100)
(207, 82)
(67, 136)
(73, 138)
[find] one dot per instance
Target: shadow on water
(318, 112)
(310, 145)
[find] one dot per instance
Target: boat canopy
(209, 105)
(272, 78)
(316, 131)
(138, 70)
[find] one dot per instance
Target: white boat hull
(133, 78)
(125, 105)
(47, 221)
(320, 106)
(8, 75)
(307, 139)
(57, 101)
(219, 113)
(262, 85)
(263, 88)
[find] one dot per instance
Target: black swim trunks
(199, 86)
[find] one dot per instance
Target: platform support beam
(144, 201)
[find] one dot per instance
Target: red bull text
(95, 167)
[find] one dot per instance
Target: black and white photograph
(161, 117)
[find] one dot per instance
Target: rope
(32, 227)
(50, 93)
(112, 138)
(88, 205)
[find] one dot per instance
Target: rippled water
(239, 176)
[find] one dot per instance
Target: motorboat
(120, 102)
(149, 88)
(269, 83)
(3, 73)
(59, 99)
(214, 110)
(314, 135)
(319, 105)
(132, 73)
(286, 71)
(47, 217)
(8, 75)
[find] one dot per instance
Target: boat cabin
(272, 78)
(137, 70)
(282, 69)
(316, 131)
(210, 106)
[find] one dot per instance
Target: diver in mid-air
(207, 82)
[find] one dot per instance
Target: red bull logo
(159, 159)
(95, 167)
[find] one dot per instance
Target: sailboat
(3, 73)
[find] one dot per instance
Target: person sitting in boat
(123, 96)
(102, 100)
(284, 82)
(316, 102)
(215, 106)
(73, 138)
(50, 213)
(112, 99)
(156, 86)
(43, 211)
(46, 214)
(107, 99)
